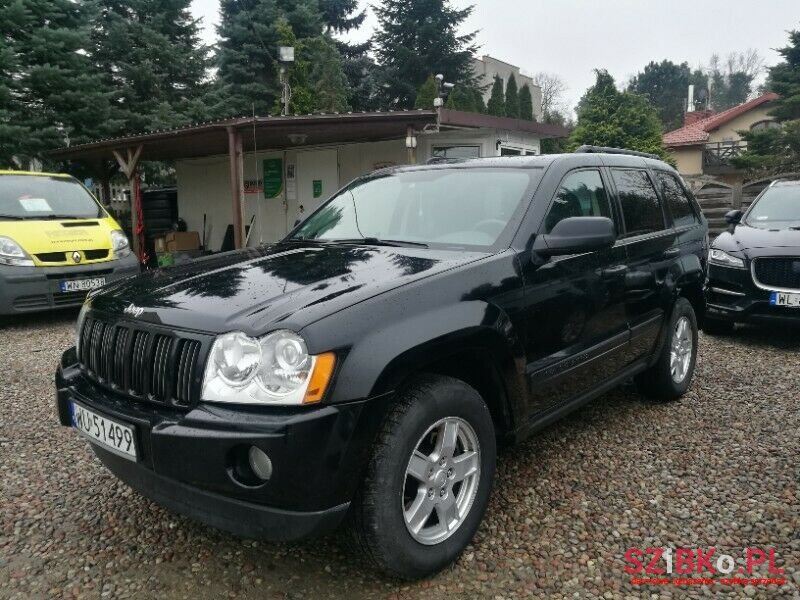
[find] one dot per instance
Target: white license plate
(111, 435)
(82, 285)
(785, 299)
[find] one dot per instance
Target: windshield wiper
(14, 217)
(62, 217)
(373, 241)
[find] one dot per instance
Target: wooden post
(128, 164)
(235, 158)
(411, 147)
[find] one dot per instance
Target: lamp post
(285, 57)
(443, 89)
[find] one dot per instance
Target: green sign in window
(273, 177)
(317, 188)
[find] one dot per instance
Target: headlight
(120, 243)
(11, 253)
(723, 259)
(275, 369)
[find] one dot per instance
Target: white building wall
(487, 67)
(204, 183)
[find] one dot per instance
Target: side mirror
(733, 217)
(576, 235)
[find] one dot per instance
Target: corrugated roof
(698, 132)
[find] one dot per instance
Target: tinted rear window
(680, 207)
(641, 207)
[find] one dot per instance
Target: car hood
(37, 236)
(288, 284)
(744, 238)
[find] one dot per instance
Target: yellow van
(56, 243)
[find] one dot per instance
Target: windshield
(778, 208)
(434, 207)
(43, 197)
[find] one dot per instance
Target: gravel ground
(719, 468)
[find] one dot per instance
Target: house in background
(707, 142)
(485, 69)
(704, 149)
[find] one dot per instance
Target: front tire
(669, 378)
(428, 482)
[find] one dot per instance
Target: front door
(576, 328)
(317, 178)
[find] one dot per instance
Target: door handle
(672, 253)
(614, 271)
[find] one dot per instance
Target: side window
(680, 207)
(640, 205)
(581, 194)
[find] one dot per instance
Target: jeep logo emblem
(76, 257)
(133, 310)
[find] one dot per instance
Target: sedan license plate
(82, 285)
(111, 435)
(784, 299)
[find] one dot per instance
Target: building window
(457, 151)
(766, 124)
(505, 151)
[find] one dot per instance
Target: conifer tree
(497, 101)
(415, 39)
(426, 94)
(512, 98)
(150, 56)
(526, 103)
(608, 117)
(50, 95)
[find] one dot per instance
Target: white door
(317, 178)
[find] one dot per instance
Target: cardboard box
(182, 240)
(160, 244)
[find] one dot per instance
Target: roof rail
(586, 149)
(437, 160)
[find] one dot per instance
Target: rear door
(650, 246)
(576, 324)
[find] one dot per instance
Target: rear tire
(435, 455)
(670, 377)
(718, 327)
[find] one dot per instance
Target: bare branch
(553, 89)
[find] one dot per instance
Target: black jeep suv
(366, 365)
(754, 267)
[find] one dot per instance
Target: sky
(571, 38)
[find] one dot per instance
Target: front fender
(376, 362)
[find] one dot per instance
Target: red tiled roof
(697, 133)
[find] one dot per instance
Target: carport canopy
(244, 134)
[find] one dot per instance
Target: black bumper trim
(244, 519)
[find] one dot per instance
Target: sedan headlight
(120, 243)
(12, 254)
(723, 259)
(274, 369)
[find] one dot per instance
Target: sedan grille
(145, 364)
(778, 272)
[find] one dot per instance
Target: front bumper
(732, 296)
(191, 461)
(31, 289)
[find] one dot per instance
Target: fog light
(260, 463)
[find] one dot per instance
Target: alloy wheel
(441, 480)
(681, 350)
